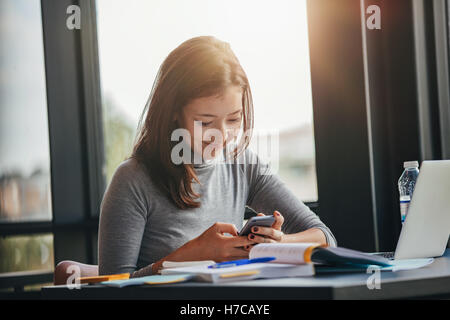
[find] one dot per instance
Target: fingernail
(252, 236)
(255, 229)
(277, 213)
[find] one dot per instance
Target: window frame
(366, 216)
(337, 178)
(442, 73)
(75, 137)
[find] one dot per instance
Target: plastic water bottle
(406, 185)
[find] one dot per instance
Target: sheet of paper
(408, 264)
(397, 265)
(155, 279)
(179, 264)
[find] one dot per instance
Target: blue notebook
(396, 265)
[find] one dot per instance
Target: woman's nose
(227, 132)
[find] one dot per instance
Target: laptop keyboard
(387, 255)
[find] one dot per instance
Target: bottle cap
(410, 164)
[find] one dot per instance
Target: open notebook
(291, 260)
(300, 253)
(244, 272)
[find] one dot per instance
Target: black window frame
(75, 137)
(396, 82)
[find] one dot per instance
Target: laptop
(426, 229)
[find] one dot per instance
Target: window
(25, 194)
(24, 144)
(25, 253)
(135, 37)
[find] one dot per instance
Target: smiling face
(218, 118)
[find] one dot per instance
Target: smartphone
(259, 221)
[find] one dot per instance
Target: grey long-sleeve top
(139, 225)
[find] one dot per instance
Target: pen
(241, 262)
(251, 211)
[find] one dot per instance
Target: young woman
(159, 208)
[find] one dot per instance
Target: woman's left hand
(268, 234)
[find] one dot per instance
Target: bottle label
(404, 204)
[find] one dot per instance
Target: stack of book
(271, 260)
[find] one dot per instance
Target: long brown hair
(199, 67)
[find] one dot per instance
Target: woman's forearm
(188, 252)
(310, 235)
